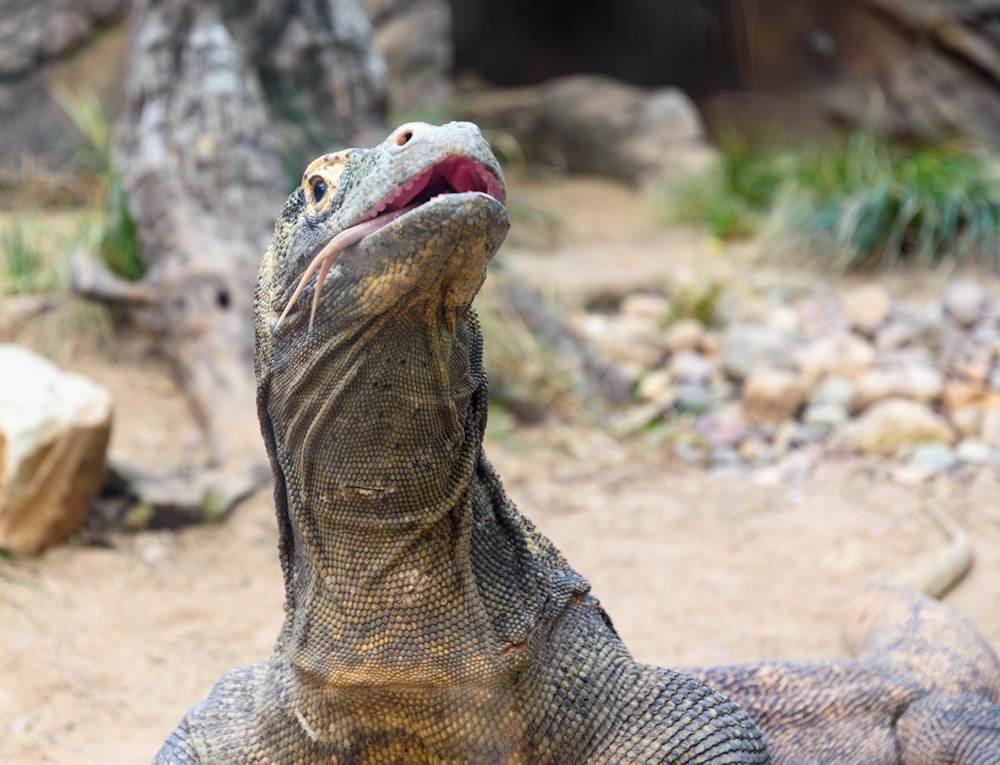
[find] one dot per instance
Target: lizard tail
(936, 573)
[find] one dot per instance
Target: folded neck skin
(376, 419)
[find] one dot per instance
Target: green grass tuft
(117, 242)
(30, 256)
(865, 202)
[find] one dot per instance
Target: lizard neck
(391, 532)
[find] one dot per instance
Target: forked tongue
(325, 257)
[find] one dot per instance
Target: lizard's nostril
(403, 137)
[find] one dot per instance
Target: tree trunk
(210, 95)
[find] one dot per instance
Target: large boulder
(592, 124)
(54, 430)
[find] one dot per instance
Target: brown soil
(103, 648)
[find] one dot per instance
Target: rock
(746, 347)
(844, 354)
(960, 394)
(919, 382)
(968, 420)
(690, 453)
(889, 425)
(725, 458)
(973, 452)
(656, 387)
(989, 430)
(596, 124)
(826, 414)
(966, 301)
(689, 366)
(834, 390)
(625, 338)
(694, 397)
(413, 38)
(937, 456)
(685, 335)
(874, 385)
(726, 426)
(772, 395)
(646, 305)
(54, 430)
(757, 451)
(894, 335)
(784, 318)
(866, 307)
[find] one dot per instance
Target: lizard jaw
(452, 175)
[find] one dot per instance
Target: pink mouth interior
(454, 175)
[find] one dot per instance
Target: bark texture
(210, 99)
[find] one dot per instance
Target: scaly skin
(427, 621)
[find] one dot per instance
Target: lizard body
(427, 621)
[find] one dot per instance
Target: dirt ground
(102, 649)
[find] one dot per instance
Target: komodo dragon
(426, 620)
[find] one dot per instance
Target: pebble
(747, 347)
(656, 386)
(689, 366)
(862, 370)
(866, 307)
(974, 452)
(989, 430)
(685, 335)
(834, 390)
(968, 420)
(693, 397)
(887, 426)
(725, 426)
(824, 414)
(843, 354)
(689, 453)
(966, 300)
(939, 457)
(647, 306)
(773, 395)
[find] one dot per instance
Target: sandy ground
(102, 649)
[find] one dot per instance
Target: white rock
(691, 367)
(54, 430)
(974, 452)
(866, 307)
(968, 420)
(746, 347)
(656, 387)
(834, 390)
(966, 300)
(887, 426)
(989, 430)
(825, 414)
(646, 305)
(937, 456)
(843, 354)
(920, 382)
(685, 335)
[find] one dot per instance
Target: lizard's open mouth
(452, 175)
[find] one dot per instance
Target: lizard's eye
(322, 178)
(318, 186)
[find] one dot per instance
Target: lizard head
(411, 222)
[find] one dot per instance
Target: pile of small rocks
(855, 371)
